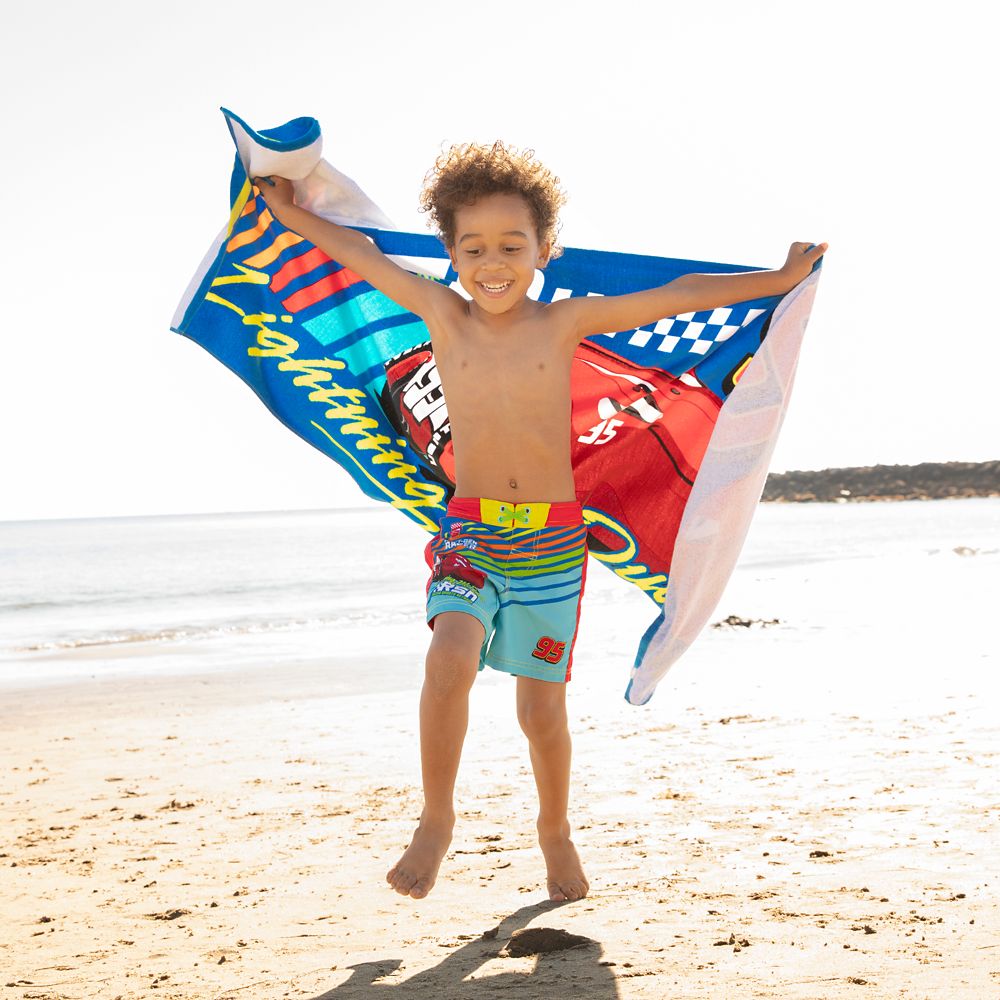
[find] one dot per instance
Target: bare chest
(521, 378)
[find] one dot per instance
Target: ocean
(211, 592)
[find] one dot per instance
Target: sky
(712, 131)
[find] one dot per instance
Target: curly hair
(466, 173)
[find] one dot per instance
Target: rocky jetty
(927, 481)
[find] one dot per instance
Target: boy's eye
(472, 252)
(512, 249)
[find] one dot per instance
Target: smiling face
(496, 251)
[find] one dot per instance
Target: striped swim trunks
(520, 570)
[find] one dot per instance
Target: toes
(400, 880)
(568, 892)
(420, 888)
(405, 883)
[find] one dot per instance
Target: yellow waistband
(506, 513)
(503, 514)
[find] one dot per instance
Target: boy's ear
(544, 252)
(451, 255)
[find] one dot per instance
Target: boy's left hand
(800, 260)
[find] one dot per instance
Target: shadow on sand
(577, 971)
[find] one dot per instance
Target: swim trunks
(520, 570)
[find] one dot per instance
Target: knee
(542, 722)
(450, 670)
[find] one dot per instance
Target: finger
(263, 180)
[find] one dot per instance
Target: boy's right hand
(353, 250)
(278, 192)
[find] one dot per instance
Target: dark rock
(735, 621)
(541, 940)
(168, 914)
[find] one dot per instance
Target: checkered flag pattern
(693, 332)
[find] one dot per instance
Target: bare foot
(563, 870)
(415, 872)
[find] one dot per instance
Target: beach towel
(673, 424)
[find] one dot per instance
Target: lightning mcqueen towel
(673, 423)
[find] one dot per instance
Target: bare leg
(452, 663)
(541, 710)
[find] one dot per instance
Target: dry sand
(181, 837)
(798, 813)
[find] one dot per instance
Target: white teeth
(496, 288)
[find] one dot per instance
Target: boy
(511, 554)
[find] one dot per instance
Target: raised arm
(356, 252)
(690, 293)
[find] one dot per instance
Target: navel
(513, 484)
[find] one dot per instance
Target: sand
(808, 809)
